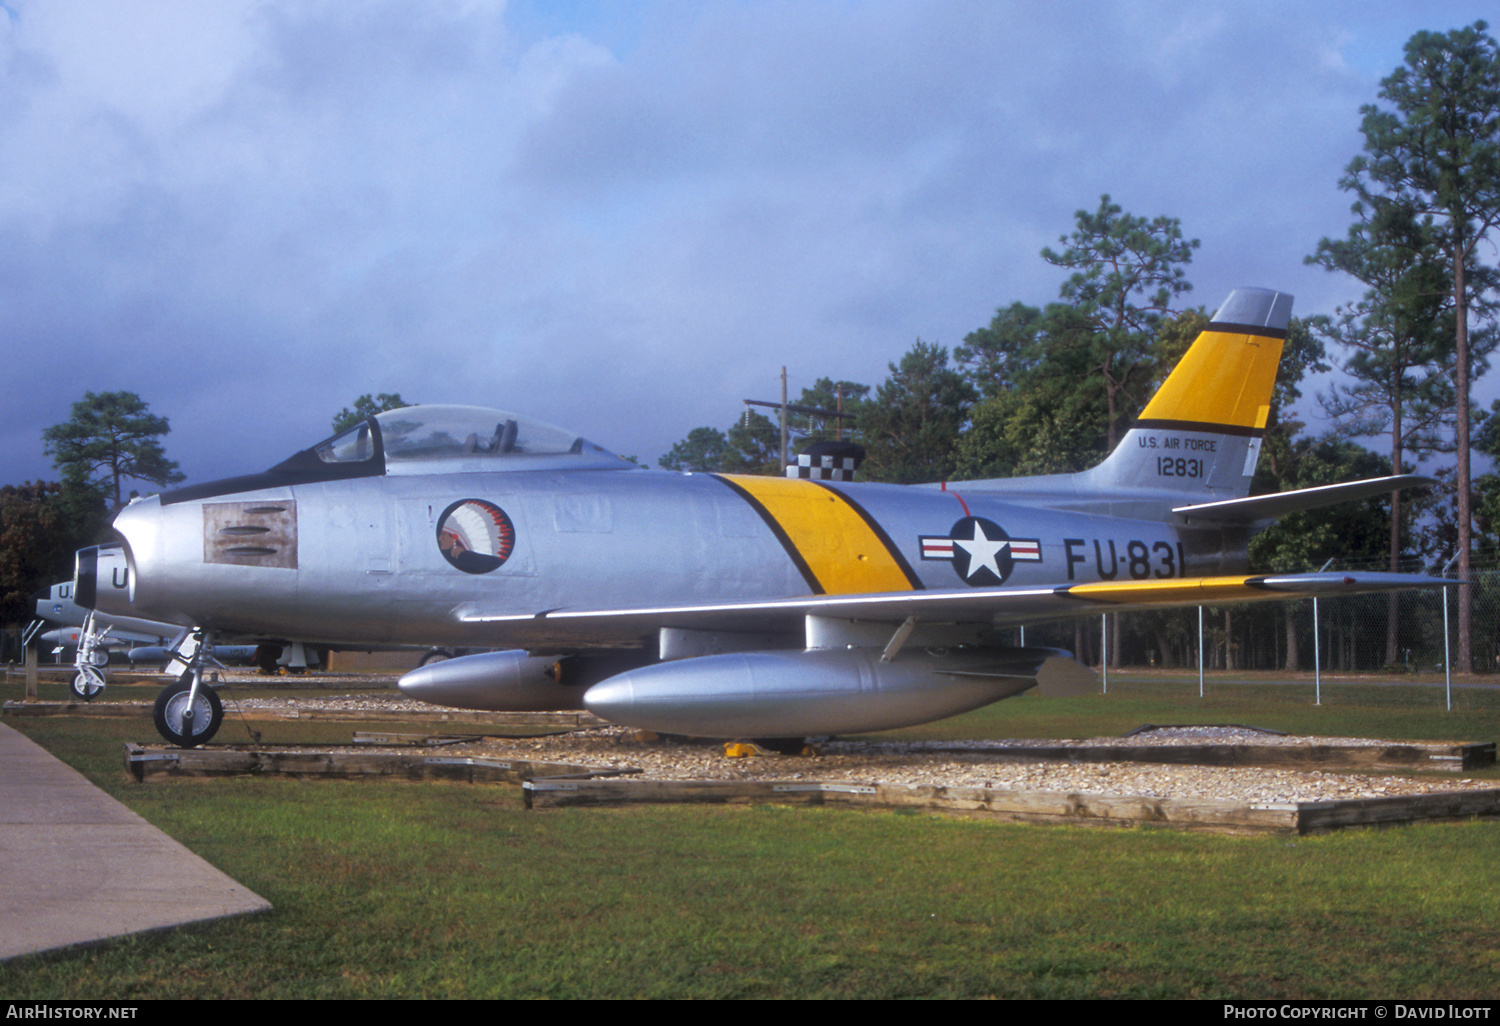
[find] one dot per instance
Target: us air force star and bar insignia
(982, 554)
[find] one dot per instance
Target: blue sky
(621, 217)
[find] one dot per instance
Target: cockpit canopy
(423, 440)
(430, 439)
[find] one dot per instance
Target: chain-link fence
(1400, 632)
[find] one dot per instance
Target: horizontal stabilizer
(1268, 507)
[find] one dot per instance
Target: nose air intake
(86, 577)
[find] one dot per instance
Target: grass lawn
(449, 890)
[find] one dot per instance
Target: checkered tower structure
(827, 461)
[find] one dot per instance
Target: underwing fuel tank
(825, 691)
(509, 681)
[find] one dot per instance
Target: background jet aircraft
(94, 635)
(56, 605)
(144, 640)
(718, 604)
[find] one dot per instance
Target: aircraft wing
(594, 628)
(70, 636)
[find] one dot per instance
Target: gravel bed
(941, 763)
(896, 763)
(395, 702)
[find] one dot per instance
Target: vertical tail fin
(1200, 435)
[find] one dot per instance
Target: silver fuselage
(358, 561)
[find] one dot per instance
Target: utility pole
(783, 417)
(838, 416)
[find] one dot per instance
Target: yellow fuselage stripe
(1224, 378)
(836, 544)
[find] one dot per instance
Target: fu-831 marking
(984, 555)
(1135, 558)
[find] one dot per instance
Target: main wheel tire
(87, 683)
(208, 714)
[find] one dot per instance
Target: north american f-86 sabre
(718, 605)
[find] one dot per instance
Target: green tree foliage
(1486, 496)
(833, 396)
(702, 451)
(752, 446)
(41, 526)
(1126, 273)
(753, 443)
(1344, 531)
(367, 406)
(1175, 335)
(911, 429)
(1043, 409)
(1030, 417)
(111, 436)
(1058, 385)
(1282, 447)
(1002, 356)
(1397, 340)
(1051, 426)
(1397, 347)
(1436, 152)
(1309, 538)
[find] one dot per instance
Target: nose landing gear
(188, 712)
(89, 680)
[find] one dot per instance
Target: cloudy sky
(621, 217)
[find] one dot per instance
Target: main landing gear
(188, 712)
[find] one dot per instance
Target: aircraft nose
(136, 572)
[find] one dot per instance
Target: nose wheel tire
(172, 707)
(87, 683)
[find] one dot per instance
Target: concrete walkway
(76, 866)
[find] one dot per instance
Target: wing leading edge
(590, 628)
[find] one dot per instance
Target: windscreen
(445, 432)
